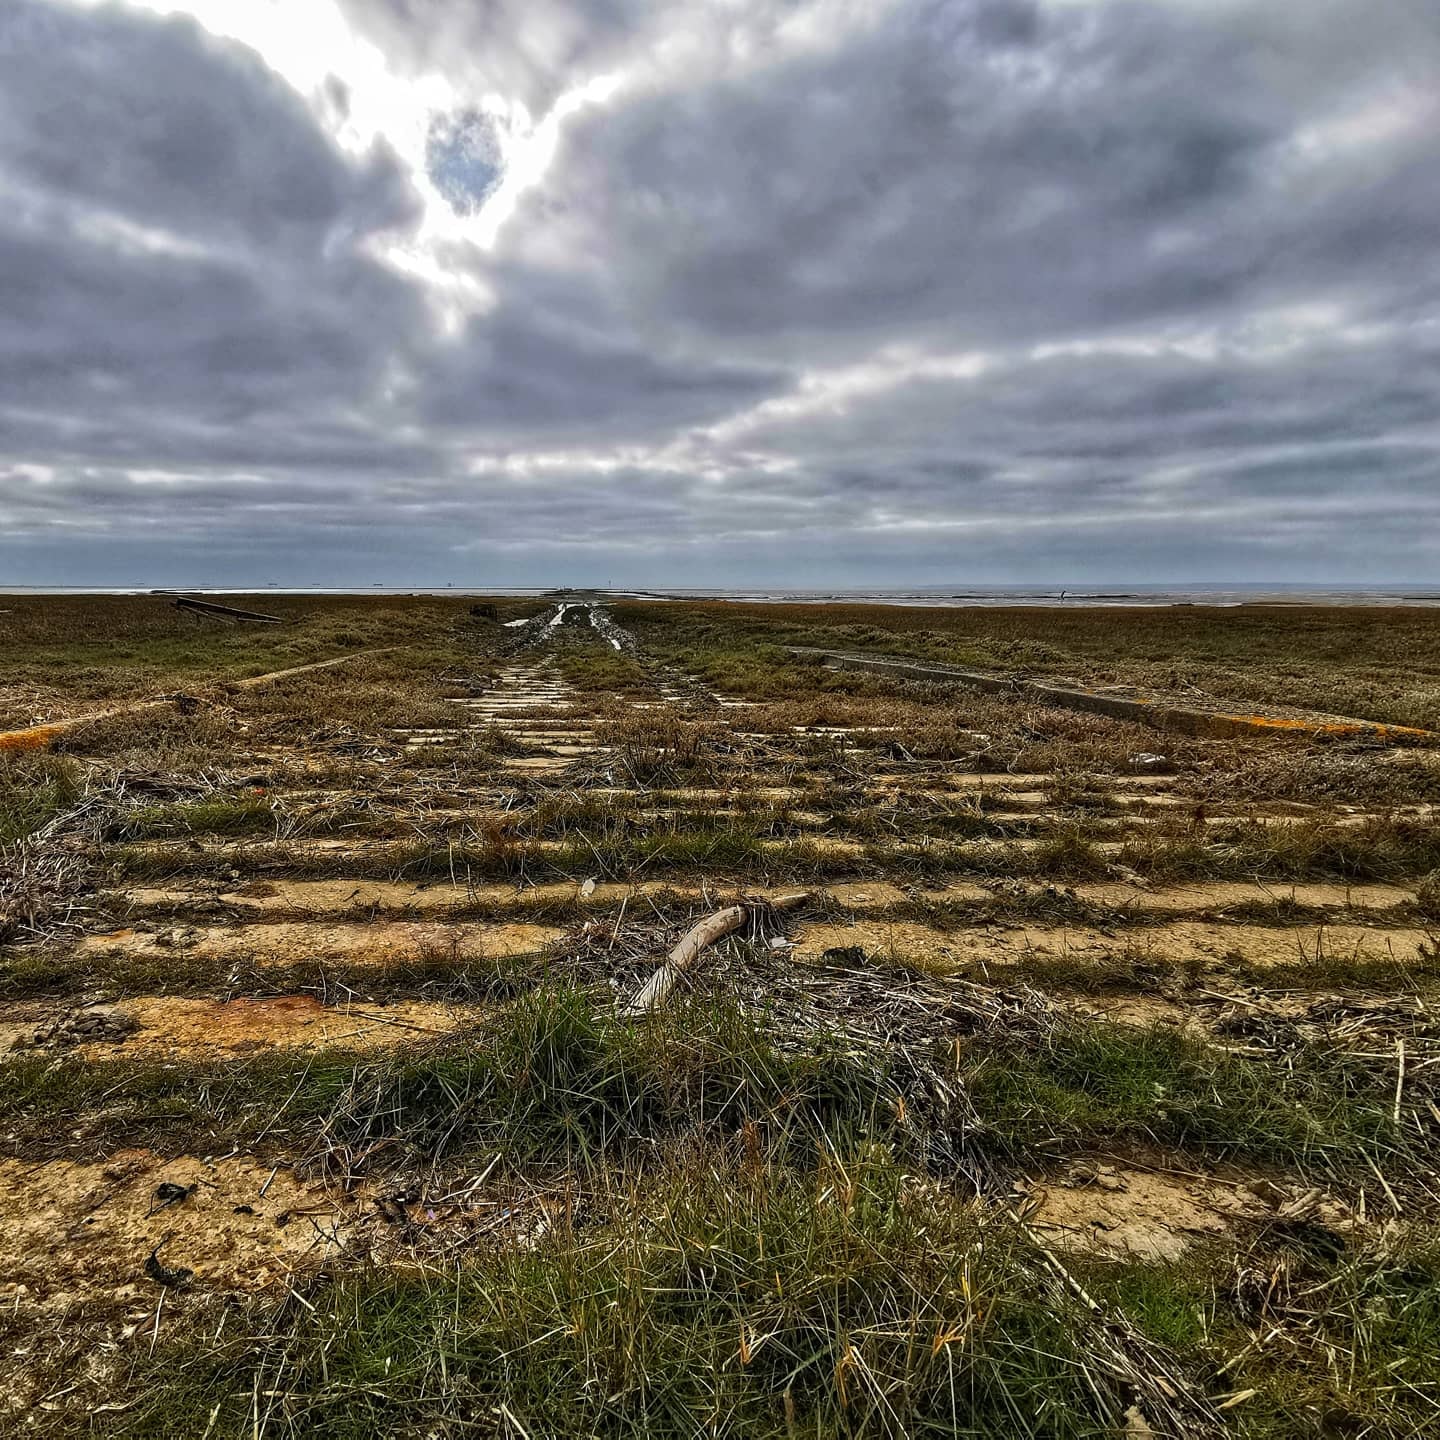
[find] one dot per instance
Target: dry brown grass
(826, 1119)
(1373, 662)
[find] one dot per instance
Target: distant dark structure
(224, 612)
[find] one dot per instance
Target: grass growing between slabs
(553, 1077)
(737, 1304)
(730, 1295)
(1381, 849)
(438, 974)
(215, 815)
(1092, 1083)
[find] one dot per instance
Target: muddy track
(563, 621)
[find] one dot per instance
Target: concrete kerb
(1159, 713)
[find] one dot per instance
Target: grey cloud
(530, 375)
(184, 282)
(1142, 215)
(1103, 164)
(155, 121)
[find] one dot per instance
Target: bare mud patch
(71, 1232)
(1131, 1211)
(1132, 1214)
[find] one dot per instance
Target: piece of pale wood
(656, 990)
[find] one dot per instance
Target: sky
(719, 292)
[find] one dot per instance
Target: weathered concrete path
(1124, 704)
(38, 737)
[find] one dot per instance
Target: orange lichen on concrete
(1221, 722)
(1339, 728)
(40, 737)
(34, 737)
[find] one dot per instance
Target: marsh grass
(164, 741)
(1381, 848)
(106, 647)
(1374, 662)
(604, 672)
(1095, 1082)
(660, 748)
(372, 695)
(757, 1218)
(1341, 1340)
(742, 1302)
(33, 790)
(553, 1077)
(749, 1299)
(1340, 775)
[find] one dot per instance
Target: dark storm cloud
(998, 288)
(182, 275)
(156, 122)
(1103, 165)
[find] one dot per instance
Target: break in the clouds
(714, 292)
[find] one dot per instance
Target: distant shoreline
(1216, 596)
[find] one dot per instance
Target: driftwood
(226, 612)
(656, 990)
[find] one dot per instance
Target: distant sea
(942, 595)
(1001, 595)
